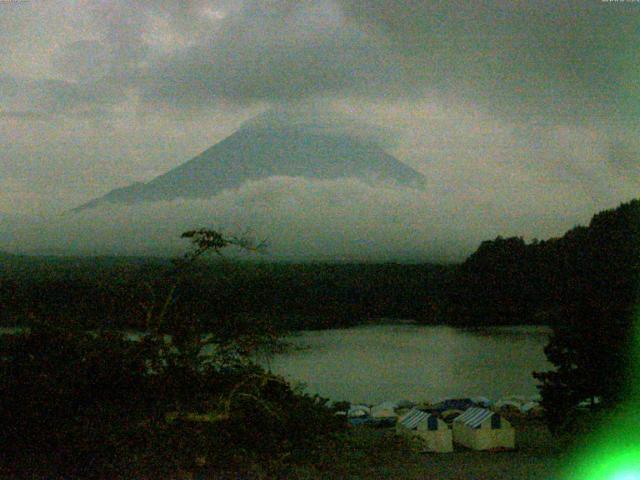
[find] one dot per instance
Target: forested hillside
(508, 281)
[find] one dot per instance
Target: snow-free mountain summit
(270, 145)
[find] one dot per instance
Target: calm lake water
(371, 364)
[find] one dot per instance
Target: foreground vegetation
(81, 405)
(78, 403)
(80, 399)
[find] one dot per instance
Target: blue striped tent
(434, 435)
(474, 417)
(482, 429)
(415, 416)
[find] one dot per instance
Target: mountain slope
(266, 148)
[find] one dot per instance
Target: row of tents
(477, 428)
(448, 408)
(475, 423)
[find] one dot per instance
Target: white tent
(434, 434)
(385, 410)
(532, 409)
(481, 429)
(359, 411)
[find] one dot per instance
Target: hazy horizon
(299, 218)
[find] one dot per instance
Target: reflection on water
(387, 362)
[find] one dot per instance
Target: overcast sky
(527, 109)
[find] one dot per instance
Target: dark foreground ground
(372, 453)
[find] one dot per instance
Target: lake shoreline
(376, 363)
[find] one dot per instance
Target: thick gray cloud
(539, 59)
(548, 59)
(299, 53)
(564, 58)
(498, 103)
(301, 219)
(24, 96)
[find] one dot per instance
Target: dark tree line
(593, 323)
(113, 292)
(584, 285)
(504, 282)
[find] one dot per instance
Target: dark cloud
(298, 53)
(567, 60)
(25, 96)
(203, 54)
(551, 59)
(623, 158)
(85, 60)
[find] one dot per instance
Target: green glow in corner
(614, 452)
(628, 475)
(612, 456)
(620, 466)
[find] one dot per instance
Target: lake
(371, 364)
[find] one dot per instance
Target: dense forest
(505, 281)
(112, 291)
(584, 285)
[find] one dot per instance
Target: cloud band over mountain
(301, 219)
